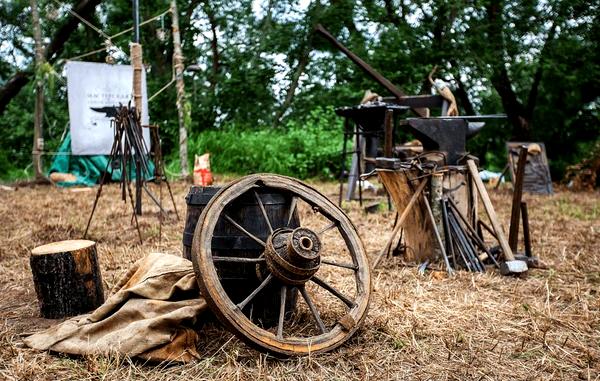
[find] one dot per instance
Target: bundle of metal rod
(464, 246)
(131, 150)
(128, 154)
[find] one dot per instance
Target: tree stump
(67, 278)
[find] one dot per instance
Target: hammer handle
(489, 209)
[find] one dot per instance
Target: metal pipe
(469, 249)
(136, 21)
(437, 236)
(366, 68)
(473, 234)
(445, 223)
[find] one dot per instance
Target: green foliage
(304, 150)
(249, 53)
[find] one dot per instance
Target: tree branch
(537, 77)
(13, 86)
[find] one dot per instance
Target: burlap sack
(151, 315)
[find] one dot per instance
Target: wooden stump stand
(67, 278)
(417, 232)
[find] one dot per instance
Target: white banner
(93, 90)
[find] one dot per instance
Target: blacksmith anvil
(445, 134)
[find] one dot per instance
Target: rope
(161, 90)
(87, 54)
(94, 28)
(141, 24)
(89, 24)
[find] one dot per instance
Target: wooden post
(67, 278)
(513, 230)
(136, 62)
(182, 111)
(38, 137)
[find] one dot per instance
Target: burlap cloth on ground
(151, 315)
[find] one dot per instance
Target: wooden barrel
(239, 279)
(196, 200)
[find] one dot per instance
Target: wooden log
(67, 278)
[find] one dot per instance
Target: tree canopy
(260, 64)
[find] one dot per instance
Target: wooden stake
(513, 230)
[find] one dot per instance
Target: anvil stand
(129, 149)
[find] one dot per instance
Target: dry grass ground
(482, 326)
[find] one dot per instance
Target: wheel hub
(292, 255)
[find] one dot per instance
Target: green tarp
(87, 169)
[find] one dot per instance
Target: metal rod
(153, 198)
(263, 211)
(466, 244)
(293, 207)
(366, 67)
(344, 265)
(332, 290)
(526, 236)
(136, 21)
(327, 228)
(358, 162)
(446, 224)
(460, 249)
(137, 225)
(282, 296)
(240, 228)
(313, 310)
(474, 236)
(172, 198)
(238, 259)
(343, 160)
(438, 237)
(253, 294)
(113, 150)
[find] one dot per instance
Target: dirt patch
(473, 326)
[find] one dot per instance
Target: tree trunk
(67, 278)
(291, 91)
(13, 85)
(514, 109)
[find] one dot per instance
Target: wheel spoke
(332, 290)
(313, 310)
(240, 228)
(327, 228)
(253, 294)
(264, 211)
(292, 210)
(344, 265)
(281, 311)
(238, 259)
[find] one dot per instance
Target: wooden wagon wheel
(293, 258)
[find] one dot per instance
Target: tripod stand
(129, 151)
